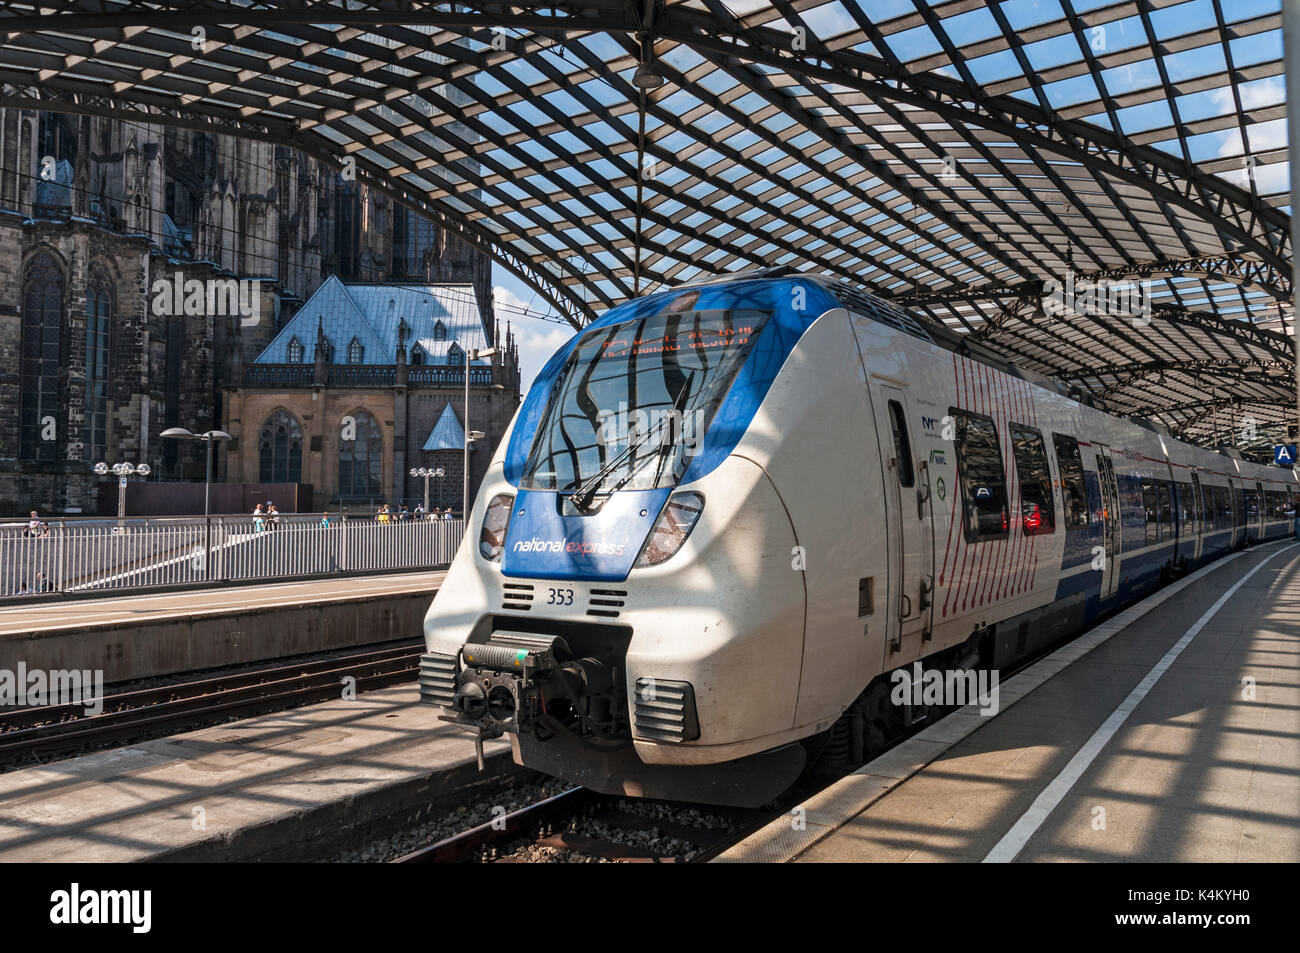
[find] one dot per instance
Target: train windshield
(632, 405)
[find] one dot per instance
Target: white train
(726, 512)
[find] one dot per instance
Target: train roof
(927, 329)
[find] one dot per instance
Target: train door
(1261, 511)
(1235, 502)
(1110, 521)
(910, 526)
(1197, 508)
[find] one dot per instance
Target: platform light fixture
(427, 472)
(123, 471)
(647, 75)
(209, 437)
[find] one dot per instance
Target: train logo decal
(941, 488)
(937, 456)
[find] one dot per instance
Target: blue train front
(624, 604)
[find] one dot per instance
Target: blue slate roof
(447, 433)
(56, 192)
(373, 313)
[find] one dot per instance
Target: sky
(537, 338)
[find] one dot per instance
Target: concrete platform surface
(193, 795)
(1170, 733)
(135, 609)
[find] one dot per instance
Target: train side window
(1251, 500)
(982, 477)
(1191, 508)
(902, 446)
(1037, 502)
(1074, 492)
(1150, 506)
(1166, 512)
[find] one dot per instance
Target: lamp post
(180, 433)
(123, 470)
(426, 473)
(208, 437)
(470, 435)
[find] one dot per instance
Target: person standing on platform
(259, 519)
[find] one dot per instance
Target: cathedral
(144, 271)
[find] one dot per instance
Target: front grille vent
(437, 679)
(606, 602)
(518, 595)
(665, 711)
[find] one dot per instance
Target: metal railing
(73, 556)
(364, 375)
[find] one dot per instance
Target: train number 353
(559, 597)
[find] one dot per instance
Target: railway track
(585, 825)
(43, 732)
(579, 824)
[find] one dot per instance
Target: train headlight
(674, 525)
(492, 538)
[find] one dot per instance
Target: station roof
(952, 156)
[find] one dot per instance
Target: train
(727, 512)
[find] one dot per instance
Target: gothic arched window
(356, 352)
(280, 450)
(99, 318)
(329, 351)
(439, 331)
(361, 459)
(419, 355)
(455, 355)
(42, 330)
(295, 350)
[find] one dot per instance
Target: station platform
(1170, 732)
(275, 786)
(132, 637)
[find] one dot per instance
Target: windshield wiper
(586, 491)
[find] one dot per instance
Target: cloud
(537, 339)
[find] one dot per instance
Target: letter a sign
(1284, 454)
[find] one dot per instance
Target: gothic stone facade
(405, 403)
(84, 238)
